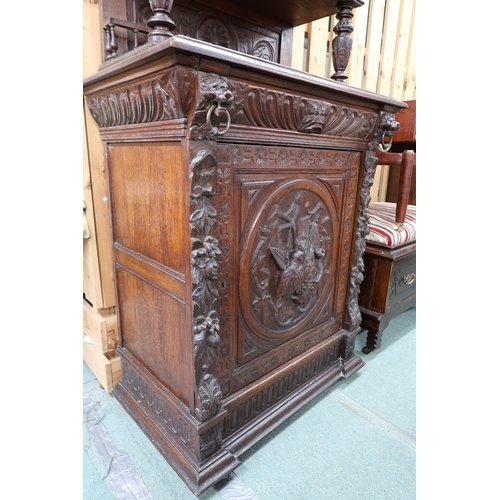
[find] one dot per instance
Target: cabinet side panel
(149, 204)
(154, 328)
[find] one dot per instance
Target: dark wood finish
(160, 22)
(238, 194)
(404, 139)
(342, 42)
(388, 288)
(237, 27)
(288, 13)
(407, 132)
(389, 285)
(406, 162)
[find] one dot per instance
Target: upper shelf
(287, 13)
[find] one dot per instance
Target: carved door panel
(289, 216)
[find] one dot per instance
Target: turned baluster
(342, 43)
(111, 45)
(161, 23)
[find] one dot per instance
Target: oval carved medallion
(286, 266)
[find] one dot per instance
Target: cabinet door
(285, 219)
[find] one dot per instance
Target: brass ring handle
(214, 131)
(383, 146)
(409, 278)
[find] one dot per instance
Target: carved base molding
(246, 417)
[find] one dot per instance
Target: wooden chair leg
(373, 340)
(374, 334)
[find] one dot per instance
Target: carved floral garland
(204, 271)
(387, 124)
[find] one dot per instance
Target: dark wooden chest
(238, 191)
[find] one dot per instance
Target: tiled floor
(356, 441)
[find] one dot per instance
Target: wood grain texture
(238, 255)
(145, 177)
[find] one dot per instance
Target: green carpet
(356, 441)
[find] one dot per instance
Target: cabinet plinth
(238, 192)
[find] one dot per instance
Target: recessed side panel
(155, 329)
(149, 204)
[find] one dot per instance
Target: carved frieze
(275, 156)
(163, 98)
(251, 371)
(213, 27)
(170, 418)
(262, 107)
(273, 393)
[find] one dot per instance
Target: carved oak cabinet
(238, 191)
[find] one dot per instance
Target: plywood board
(101, 210)
(91, 273)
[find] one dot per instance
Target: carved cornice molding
(166, 97)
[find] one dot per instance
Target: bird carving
(301, 267)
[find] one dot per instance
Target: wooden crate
(107, 371)
(99, 318)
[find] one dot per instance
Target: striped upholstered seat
(383, 229)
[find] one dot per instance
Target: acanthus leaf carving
(160, 99)
(261, 107)
(210, 397)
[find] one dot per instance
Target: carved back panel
(214, 26)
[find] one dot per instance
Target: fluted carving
(159, 99)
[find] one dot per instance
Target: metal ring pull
(383, 146)
(214, 131)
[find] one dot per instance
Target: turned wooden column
(342, 43)
(161, 23)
